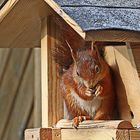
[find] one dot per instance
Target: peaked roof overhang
(20, 24)
(104, 20)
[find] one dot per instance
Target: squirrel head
(88, 65)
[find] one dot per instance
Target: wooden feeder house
(32, 24)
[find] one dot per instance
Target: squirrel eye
(97, 69)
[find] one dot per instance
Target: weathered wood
(76, 134)
(43, 134)
(44, 74)
(134, 134)
(126, 82)
(37, 87)
(22, 108)
(119, 124)
(55, 102)
(113, 35)
(94, 134)
(16, 90)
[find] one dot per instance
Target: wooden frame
(115, 130)
(40, 10)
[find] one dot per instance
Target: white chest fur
(89, 106)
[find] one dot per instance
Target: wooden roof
(20, 20)
(103, 14)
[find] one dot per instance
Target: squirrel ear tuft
(72, 53)
(94, 50)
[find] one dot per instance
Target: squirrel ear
(72, 53)
(94, 50)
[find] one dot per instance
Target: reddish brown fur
(85, 66)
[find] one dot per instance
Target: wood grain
(134, 134)
(44, 74)
(113, 35)
(37, 87)
(126, 83)
(136, 53)
(55, 102)
(16, 97)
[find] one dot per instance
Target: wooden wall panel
(56, 103)
(16, 92)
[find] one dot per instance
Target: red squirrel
(86, 86)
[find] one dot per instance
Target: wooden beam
(113, 35)
(66, 18)
(7, 8)
(44, 73)
(110, 124)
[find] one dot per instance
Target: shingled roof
(103, 14)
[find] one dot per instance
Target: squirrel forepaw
(80, 119)
(76, 121)
(99, 90)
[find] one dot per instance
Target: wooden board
(16, 92)
(113, 35)
(80, 134)
(126, 82)
(55, 99)
(110, 124)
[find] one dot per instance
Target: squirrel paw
(76, 121)
(80, 119)
(99, 90)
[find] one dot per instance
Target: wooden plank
(113, 35)
(37, 87)
(111, 124)
(9, 89)
(128, 73)
(121, 101)
(66, 18)
(134, 134)
(43, 134)
(22, 108)
(59, 98)
(76, 134)
(44, 73)
(55, 104)
(129, 92)
(94, 134)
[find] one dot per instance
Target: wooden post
(44, 72)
